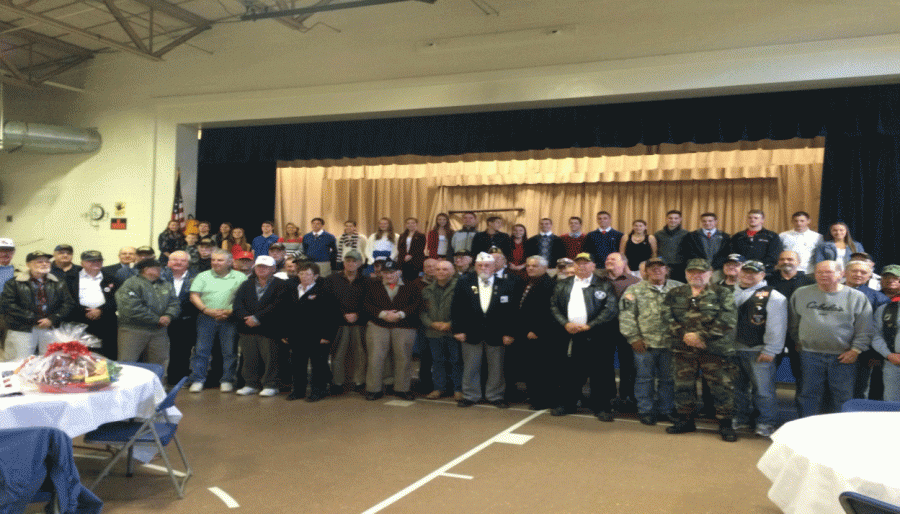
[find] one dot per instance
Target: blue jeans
(761, 377)
(207, 330)
(891, 376)
(819, 369)
(654, 363)
(445, 350)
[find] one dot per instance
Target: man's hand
(508, 340)
(164, 321)
(250, 321)
(848, 357)
(324, 341)
(408, 258)
(573, 328)
(92, 314)
(44, 323)
(392, 316)
(531, 335)
(639, 346)
(351, 317)
(894, 358)
(765, 358)
(460, 337)
(440, 326)
(693, 339)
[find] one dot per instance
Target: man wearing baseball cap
(33, 303)
(885, 340)
(143, 253)
(701, 317)
(7, 251)
(62, 265)
(94, 294)
(259, 306)
(758, 338)
(147, 305)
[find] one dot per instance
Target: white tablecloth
(813, 460)
(134, 395)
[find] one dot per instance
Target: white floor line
(163, 469)
(454, 475)
(399, 403)
(518, 439)
(86, 456)
(443, 469)
(484, 405)
(229, 501)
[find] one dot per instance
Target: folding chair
(862, 405)
(157, 429)
(155, 368)
(855, 503)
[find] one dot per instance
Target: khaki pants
(380, 341)
(349, 359)
(138, 345)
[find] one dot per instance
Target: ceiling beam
(177, 41)
(126, 26)
(12, 68)
(63, 68)
(36, 37)
(6, 79)
(75, 30)
(177, 12)
(321, 8)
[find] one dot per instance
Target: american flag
(178, 204)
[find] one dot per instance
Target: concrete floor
(345, 454)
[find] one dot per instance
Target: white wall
(147, 116)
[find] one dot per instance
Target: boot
(727, 431)
(683, 425)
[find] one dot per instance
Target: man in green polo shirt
(212, 292)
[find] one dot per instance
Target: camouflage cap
(654, 261)
(891, 269)
(754, 266)
(698, 264)
(91, 256)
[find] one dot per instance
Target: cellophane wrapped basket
(68, 365)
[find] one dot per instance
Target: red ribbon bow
(73, 348)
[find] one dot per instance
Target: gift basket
(68, 365)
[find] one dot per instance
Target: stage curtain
(637, 182)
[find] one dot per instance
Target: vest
(889, 325)
(751, 322)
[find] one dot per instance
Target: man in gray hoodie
(833, 325)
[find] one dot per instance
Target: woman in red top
(237, 241)
(438, 243)
(517, 257)
(293, 239)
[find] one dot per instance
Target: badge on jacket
(599, 295)
(504, 299)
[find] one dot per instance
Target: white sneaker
(765, 430)
(269, 391)
(226, 387)
(246, 391)
(196, 387)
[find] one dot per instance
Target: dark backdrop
(859, 182)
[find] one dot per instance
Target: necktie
(709, 235)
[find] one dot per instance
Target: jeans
(819, 369)
(891, 375)
(654, 363)
(761, 377)
(207, 330)
(445, 350)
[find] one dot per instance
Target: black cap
(460, 252)
(654, 261)
(735, 257)
(64, 248)
(276, 246)
(754, 266)
(145, 250)
(37, 254)
(494, 249)
(91, 256)
(206, 241)
(389, 265)
(147, 263)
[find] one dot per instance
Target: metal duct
(40, 138)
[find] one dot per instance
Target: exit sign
(118, 223)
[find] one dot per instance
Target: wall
(146, 113)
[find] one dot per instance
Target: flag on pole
(178, 204)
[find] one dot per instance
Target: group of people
(488, 312)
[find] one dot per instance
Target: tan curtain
(641, 182)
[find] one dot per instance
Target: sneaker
(737, 425)
(246, 391)
(465, 403)
(765, 430)
(726, 430)
(226, 387)
(682, 426)
(605, 416)
(269, 391)
(559, 411)
(196, 387)
(648, 419)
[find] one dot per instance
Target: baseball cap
(754, 266)
(243, 254)
(91, 256)
(206, 241)
(494, 249)
(484, 257)
(145, 250)
(698, 264)
(388, 265)
(37, 254)
(353, 254)
(264, 260)
(565, 261)
(891, 269)
(583, 256)
(64, 248)
(276, 246)
(6, 242)
(654, 261)
(460, 252)
(147, 263)
(735, 257)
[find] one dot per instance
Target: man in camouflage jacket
(640, 322)
(701, 317)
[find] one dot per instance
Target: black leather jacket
(17, 302)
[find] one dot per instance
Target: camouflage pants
(719, 372)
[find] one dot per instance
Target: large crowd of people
(699, 320)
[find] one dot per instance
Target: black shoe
(726, 430)
(559, 411)
(648, 419)
(360, 388)
(370, 396)
(500, 404)
(315, 397)
(465, 403)
(294, 396)
(605, 416)
(682, 426)
(408, 396)
(626, 405)
(337, 390)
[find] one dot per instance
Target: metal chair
(855, 503)
(155, 368)
(158, 429)
(859, 405)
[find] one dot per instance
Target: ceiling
(42, 39)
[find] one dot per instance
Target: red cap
(243, 254)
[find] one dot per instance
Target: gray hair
(860, 264)
(837, 265)
(541, 260)
(226, 253)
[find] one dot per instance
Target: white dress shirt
(577, 308)
(90, 294)
(485, 291)
(804, 243)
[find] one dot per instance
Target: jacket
(764, 246)
(312, 317)
(599, 299)
(827, 251)
(17, 302)
(640, 313)
(557, 248)
(468, 318)
(436, 306)
(108, 310)
(416, 250)
(534, 310)
(712, 315)
(408, 300)
(692, 247)
(141, 303)
(269, 310)
(188, 309)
